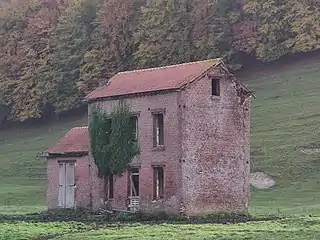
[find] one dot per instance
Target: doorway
(134, 191)
(66, 184)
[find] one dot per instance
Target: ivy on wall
(113, 142)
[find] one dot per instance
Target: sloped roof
(153, 79)
(75, 141)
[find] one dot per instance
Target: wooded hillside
(53, 52)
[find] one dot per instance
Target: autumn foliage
(53, 52)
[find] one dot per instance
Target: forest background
(53, 52)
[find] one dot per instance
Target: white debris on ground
(261, 180)
(310, 150)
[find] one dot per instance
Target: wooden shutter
(61, 185)
(70, 184)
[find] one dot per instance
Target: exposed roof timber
(131, 95)
(62, 154)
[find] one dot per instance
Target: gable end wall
(216, 149)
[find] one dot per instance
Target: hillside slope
(286, 135)
(53, 52)
(22, 174)
(285, 122)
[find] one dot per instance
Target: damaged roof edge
(164, 91)
(62, 154)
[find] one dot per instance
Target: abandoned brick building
(193, 129)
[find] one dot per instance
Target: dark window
(111, 186)
(158, 183)
(134, 126)
(108, 128)
(158, 133)
(215, 86)
(134, 182)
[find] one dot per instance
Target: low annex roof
(75, 141)
(152, 79)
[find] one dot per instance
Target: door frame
(64, 203)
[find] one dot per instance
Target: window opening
(158, 183)
(111, 186)
(134, 183)
(158, 130)
(134, 126)
(215, 86)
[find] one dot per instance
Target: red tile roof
(153, 79)
(76, 140)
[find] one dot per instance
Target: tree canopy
(53, 52)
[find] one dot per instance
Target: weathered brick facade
(216, 149)
(206, 153)
(149, 156)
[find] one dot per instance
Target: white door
(66, 184)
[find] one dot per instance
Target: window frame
(111, 186)
(158, 182)
(136, 126)
(132, 172)
(158, 131)
(215, 86)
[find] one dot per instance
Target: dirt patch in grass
(261, 180)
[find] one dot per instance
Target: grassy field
(22, 174)
(285, 122)
(285, 129)
(291, 229)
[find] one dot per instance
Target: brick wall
(82, 176)
(216, 149)
(149, 156)
(206, 155)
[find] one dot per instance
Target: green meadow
(285, 136)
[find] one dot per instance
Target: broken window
(134, 126)
(158, 183)
(215, 86)
(111, 186)
(134, 182)
(158, 133)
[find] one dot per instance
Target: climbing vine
(113, 141)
